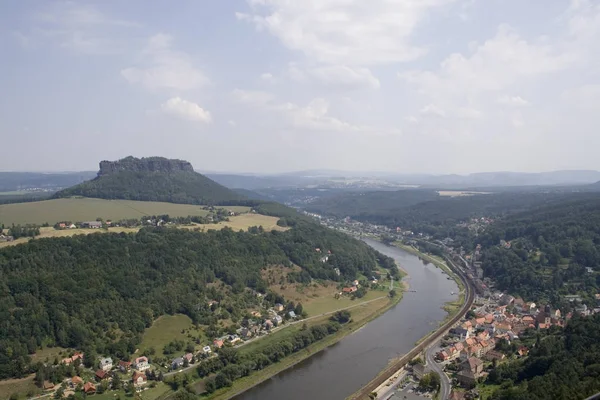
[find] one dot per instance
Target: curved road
(445, 385)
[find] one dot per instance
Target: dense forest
(555, 249)
(99, 292)
(564, 364)
(154, 179)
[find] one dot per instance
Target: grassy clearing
(148, 394)
(328, 304)
(164, 330)
(23, 387)
(48, 354)
(86, 209)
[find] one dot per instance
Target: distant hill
(153, 179)
(41, 181)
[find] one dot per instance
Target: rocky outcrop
(149, 164)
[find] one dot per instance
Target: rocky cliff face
(150, 164)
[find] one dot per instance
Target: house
(268, 324)
(218, 343)
(189, 357)
(72, 226)
(233, 339)
(494, 355)
(124, 366)
(73, 358)
(76, 381)
(349, 289)
(523, 351)
(456, 395)
(355, 283)
(206, 350)
(101, 375)
(106, 364)
(48, 385)
(177, 363)
(245, 333)
(292, 314)
(278, 307)
(256, 314)
(141, 363)
(466, 378)
(278, 319)
(62, 225)
(92, 224)
(471, 369)
(89, 388)
(139, 379)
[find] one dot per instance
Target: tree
(393, 293)
(210, 385)
(116, 382)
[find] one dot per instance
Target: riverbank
(466, 298)
(361, 315)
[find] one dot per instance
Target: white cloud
(345, 32)
(187, 110)
(432, 109)
(314, 116)
(165, 68)
(232, 123)
(80, 27)
(337, 76)
(513, 101)
(268, 77)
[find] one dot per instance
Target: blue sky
(433, 86)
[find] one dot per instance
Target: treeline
(98, 293)
(564, 364)
(554, 250)
(231, 365)
(19, 231)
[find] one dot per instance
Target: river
(345, 367)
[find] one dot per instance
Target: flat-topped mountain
(153, 179)
(145, 164)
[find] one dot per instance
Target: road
(445, 384)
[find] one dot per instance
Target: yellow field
(238, 222)
(245, 221)
(86, 209)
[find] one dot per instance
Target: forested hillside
(153, 179)
(99, 292)
(562, 365)
(555, 249)
(425, 210)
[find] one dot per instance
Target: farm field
(245, 221)
(87, 209)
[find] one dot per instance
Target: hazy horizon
(433, 87)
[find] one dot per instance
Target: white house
(206, 350)
(106, 364)
(141, 363)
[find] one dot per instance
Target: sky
(266, 86)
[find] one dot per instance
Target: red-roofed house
(89, 388)
(101, 375)
(139, 378)
(124, 366)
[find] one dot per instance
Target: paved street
(445, 385)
